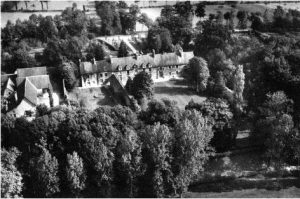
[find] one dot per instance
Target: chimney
(79, 61)
(135, 56)
(94, 60)
(153, 52)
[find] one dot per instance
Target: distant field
(153, 13)
(176, 90)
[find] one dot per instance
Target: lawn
(291, 192)
(176, 90)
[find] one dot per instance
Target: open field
(176, 90)
(153, 13)
(291, 192)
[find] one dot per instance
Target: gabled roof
(10, 85)
(26, 72)
(40, 81)
(27, 90)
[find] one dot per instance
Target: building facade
(161, 67)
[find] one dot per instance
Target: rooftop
(165, 59)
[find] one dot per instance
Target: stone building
(27, 88)
(161, 67)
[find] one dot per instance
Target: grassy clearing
(92, 98)
(176, 90)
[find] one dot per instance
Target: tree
(21, 59)
(166, 40)
(45, 175)
(52, 54)
(229, 16)
(128, 164)
(48, 29)
(144, 19)
(75, 20)
(220, 115)
(278, 12)
(67, 72)
(41, 110)
(123, 52)
(184, 9)
(142, 86)
(110, 19)
(11, 178)
(129, 85)
(157, 141)
(196, 73)
(239, 84)
(200, 10)
(276, 128)
(76, 174)
(219, 18)
(213, 36)
(71, 49)
(95, 51)
(153, 39)
(193, 134)
(165, 112)
(243, 17)
(257, 23)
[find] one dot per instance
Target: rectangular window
(105, 74)
(128, 72)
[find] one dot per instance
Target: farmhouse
(161, 67)
(26, 89)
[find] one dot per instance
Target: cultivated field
(176, 90)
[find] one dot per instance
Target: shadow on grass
(227, 185)
(174, 90)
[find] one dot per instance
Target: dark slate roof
(40, 81)
(28, 91)
(130, 61)
(26, 72)
(165, 59)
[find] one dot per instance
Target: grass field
(176, 90)
(291, 192)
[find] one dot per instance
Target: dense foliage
(107, 152)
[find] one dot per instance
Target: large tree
(196, 73)
(45, 175)
(123, 52)
(68, 74)
(243, 19)
(142, 86)
(200, 10)
(76, 173)
(110, 18)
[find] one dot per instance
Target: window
(128, 73)
(169, 67)
(101, 75)
(105, 74)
